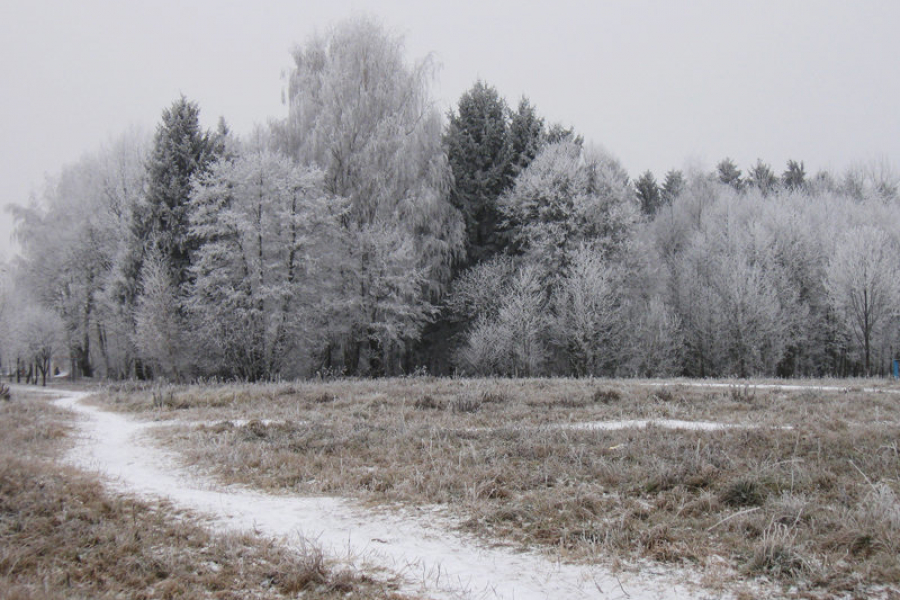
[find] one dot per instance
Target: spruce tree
(526, 131)
(729, 174)
(181, 150)
(763, 178)
(672, 186)
(480, 157)
(648, 193)
(794, 177)
(160, 224)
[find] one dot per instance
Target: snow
(415, 543)
(222, 423)
(641, 423)
(773, 386)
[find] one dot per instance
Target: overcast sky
(659, 84)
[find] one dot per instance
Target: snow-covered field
(418, 544)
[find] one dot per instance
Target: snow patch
(643, 423)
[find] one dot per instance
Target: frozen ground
(772, 386)
(417, 544)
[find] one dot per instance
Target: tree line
(367, 234)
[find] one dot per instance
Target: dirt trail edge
(432, 560)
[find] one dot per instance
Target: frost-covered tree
(672, 186)
(862, 279)
(160, 224)
(588, 324)
(762, 177)
(794, 176)
(654, 340)
(728, 173)
(480, 155)
(479, 289)
(730, 290)
(124, 182)
(260, 274)
(568, 195)
(873, 180)
(359, 112)
(513, 340)
(181, 150)
(381, 302)
(160, 327)
(648, 193)
(72, 237)
(61, 261)
(526, 133)
(36, 335)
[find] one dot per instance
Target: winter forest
(368, 234)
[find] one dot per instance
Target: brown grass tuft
(427, 402)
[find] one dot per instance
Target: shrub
(427, 402)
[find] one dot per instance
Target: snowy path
(432, 560)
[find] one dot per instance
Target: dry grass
(813, 506)
(63, 536)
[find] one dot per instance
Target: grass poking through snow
(803, 490)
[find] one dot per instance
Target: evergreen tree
(762, 178)
(160, 224)
(526, 130)
(648, 193)
(729, 174)
(557, 133)
(672, 186)
(180, 151)
(159, 220)
(480, 156)
(794, 177)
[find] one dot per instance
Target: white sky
(658, 83)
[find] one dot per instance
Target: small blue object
(897, 369)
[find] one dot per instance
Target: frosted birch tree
(36, 335)
(362, 114)
(654, 340)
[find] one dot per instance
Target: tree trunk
(104, 351)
